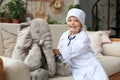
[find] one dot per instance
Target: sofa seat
(56, 77)
(111, 64)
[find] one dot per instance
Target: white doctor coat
(80, 56)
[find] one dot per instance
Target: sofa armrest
(15, 70)
(112, 49)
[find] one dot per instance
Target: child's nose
(72, 22)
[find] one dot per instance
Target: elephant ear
(23, 25)
(23, 42)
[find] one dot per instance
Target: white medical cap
(80, 14)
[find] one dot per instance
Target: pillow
(105, 36)
(9, 41)
(95, 39)
(1, 44)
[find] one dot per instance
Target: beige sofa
(16, 70)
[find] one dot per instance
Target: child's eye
(76, 21)
(69, 20)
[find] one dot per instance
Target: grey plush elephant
(34, 48)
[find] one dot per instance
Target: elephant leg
(39, 74)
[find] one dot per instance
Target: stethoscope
(70, 38)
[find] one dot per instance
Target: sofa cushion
(9, 41)
(1, 44)
(56, 34)
(95, 39)
(105, 36)
(111, 64)
(111, 49)
(98, 38)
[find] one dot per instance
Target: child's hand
(56, 51)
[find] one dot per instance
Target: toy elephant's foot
(39, 74)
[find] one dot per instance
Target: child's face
(74, 25)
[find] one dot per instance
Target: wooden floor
(115, 76)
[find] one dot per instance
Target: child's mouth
(73, 26)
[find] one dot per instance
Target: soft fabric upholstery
(62, 77)
(59, 33)
(13, 69)
(96, 42)
(98, 38)
(105, 36)
(111, 64)
(9, 41)
(1, 43)
(111, 49)
(110, 55)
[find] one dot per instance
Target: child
(74, 47)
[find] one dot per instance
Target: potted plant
(0, 9)
(5, 18)
(16, 8)
(4, 14)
